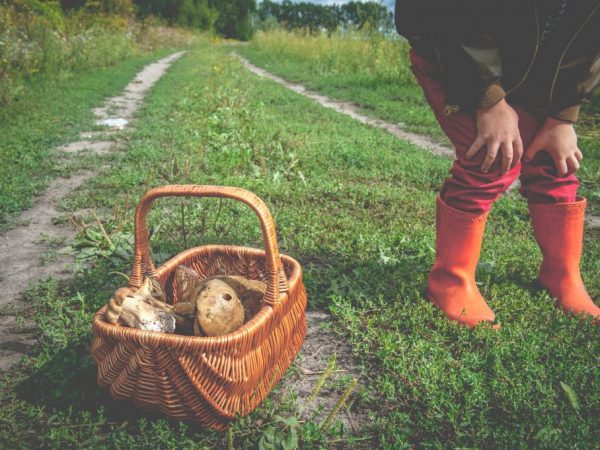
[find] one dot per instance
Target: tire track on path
(353, 111)
(22, 248)
(350, 109)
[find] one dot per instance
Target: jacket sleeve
(583, 90)
(467, 56)
(485, 57)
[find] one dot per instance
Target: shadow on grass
(67, 381)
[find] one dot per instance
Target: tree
(235, 18)
(191, 13)
(315, 17)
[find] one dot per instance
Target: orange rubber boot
(558, 229)
(451, 285)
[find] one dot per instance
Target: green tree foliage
(366, 14)
(197, 14)
(108, 7)
(315, 17)
(190, 13)
(235, 18)
(229, 18)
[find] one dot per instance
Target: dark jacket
(543, 54)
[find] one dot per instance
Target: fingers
(475, 147)
(560, 143)
(531, 151)
(507, 156)
(572, 164)
(492, 152)
(561, 167)
(517, 150)
(565, 164)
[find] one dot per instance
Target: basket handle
(143, 264)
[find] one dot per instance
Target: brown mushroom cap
(218, 308)
(186, 280)
(250, 292)
(121, 293)
(115, 304)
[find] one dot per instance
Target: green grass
(372, 72)
(50, 113)
(356, 207)
(375, 74)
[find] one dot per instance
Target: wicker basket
(207, 380)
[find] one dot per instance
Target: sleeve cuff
(569, 114)
(492, 95)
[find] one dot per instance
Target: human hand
(498, 129)
(557, 138)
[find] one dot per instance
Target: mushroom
(142, 309)
(186, 280)
(218, 309)
(115, 304)
(184, 313)
(152, 293)
(250, 292)
(191, 292)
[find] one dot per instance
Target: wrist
(496, 107)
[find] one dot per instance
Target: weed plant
(38, 39)
(53, 70)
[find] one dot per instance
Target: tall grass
(366, 68)
(37, 38)
(348, 53)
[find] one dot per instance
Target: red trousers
(471, 190)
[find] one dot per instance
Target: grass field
(55, 89)
(51, 113)
(356, 207)
(375, 74)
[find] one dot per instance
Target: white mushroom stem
(143, 309)
(139, 314)
(153, 294)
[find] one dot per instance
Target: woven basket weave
(207, 380)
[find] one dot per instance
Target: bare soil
(320, 346)
(22, 248)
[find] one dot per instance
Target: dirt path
(22, 248)
(353, 111)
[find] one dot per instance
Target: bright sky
(388, 3)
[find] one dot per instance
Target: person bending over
(505, 79)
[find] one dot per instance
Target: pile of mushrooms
(205, 307)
